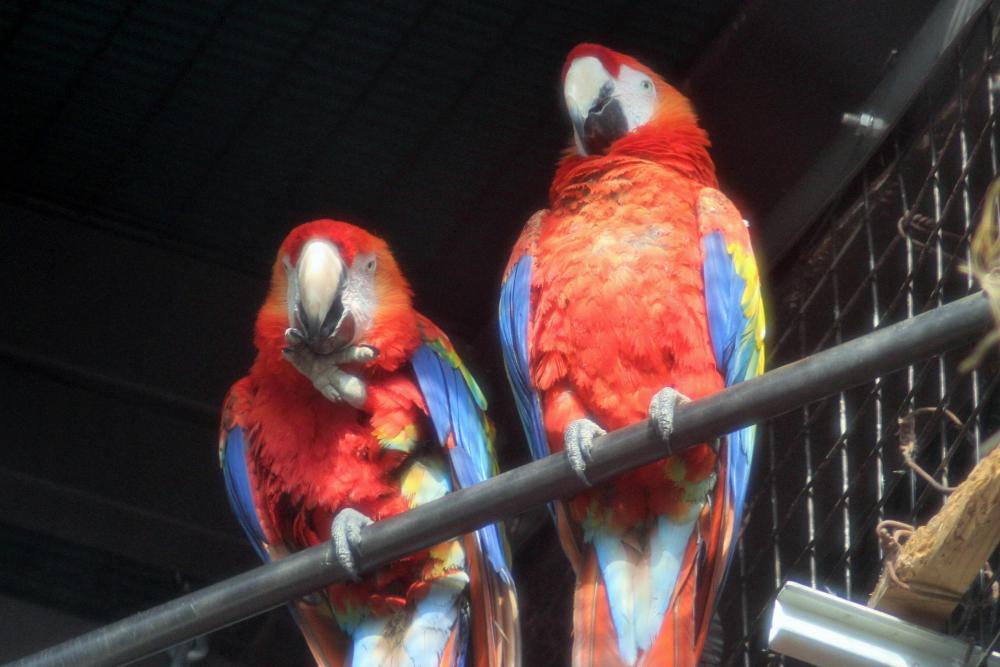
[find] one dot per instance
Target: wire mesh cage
(894, 244)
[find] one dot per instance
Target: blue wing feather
(434, 386)
(457, 408)
(515, 305)
(736, 345)
(723, 293)
(237, 478)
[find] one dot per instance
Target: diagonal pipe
(515, 491)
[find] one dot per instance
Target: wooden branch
(939, 562)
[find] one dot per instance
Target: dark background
(154, 154)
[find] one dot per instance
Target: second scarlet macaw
(635, 288)
(357, 408)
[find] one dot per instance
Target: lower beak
(340, 336)
(605, 124)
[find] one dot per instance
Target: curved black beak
(605, 123)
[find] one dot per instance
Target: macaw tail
(432, 630)
(496, 634)
(326, 642)
(645, 595)
(688, 620)
(678, 642)
(595, 643)
(635, 605)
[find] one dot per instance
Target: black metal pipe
(515, 491)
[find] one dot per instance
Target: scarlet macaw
(636, 288)
(358, 408)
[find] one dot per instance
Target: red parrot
(357, 408)
(636, 288)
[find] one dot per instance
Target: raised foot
(578, 440)
(324, 371)
(345, 532)
(661, 411)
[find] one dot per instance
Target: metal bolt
(863, 123)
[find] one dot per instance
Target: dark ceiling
(220, 124)
(155, 153)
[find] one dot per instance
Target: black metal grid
(893, 245)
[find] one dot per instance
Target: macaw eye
(370, 265)
(646, 84)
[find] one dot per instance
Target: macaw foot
(345, 532)
(324, 371)
(661, 411)
(578, 440)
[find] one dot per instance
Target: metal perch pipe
(515, 491)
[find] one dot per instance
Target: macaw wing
(515, 316)
(326, 641)
(457, 410)
(736, 327)
(732, 289)
(735, 318)
(233, 459)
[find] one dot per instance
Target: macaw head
(609, 95)
(333, 284)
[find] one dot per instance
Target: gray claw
(578, 440)
(331, 394)
(357, 354)
(313, 599)
(345, 532)
(661, 411)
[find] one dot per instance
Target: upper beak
(315, 298)
(597, 115)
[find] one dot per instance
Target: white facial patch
(359, 294)
(637, 95)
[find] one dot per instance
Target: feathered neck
(682, 147)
